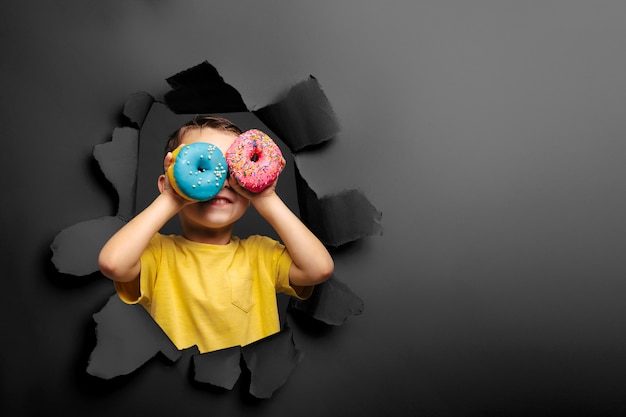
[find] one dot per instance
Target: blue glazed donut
(198, 171)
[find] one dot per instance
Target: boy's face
(227, 206)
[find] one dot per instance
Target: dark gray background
(491, 134)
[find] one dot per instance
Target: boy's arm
(312, 264)
(120, 257)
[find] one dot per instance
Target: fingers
(167, 161)
(169, 158)
(239, 189)
(233, 184)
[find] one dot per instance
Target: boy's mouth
(220, 200)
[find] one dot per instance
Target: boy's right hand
(165, 187)
(120, 257)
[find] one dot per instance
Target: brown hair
(199, 122)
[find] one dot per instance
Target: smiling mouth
(219, 201)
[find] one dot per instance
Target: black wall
(491, 134)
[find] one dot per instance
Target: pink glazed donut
(254, 160)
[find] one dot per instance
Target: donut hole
(254, 157)
(203, 165)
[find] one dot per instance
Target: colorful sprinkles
(255, 160)
(195, 167)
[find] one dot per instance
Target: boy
(207, 287)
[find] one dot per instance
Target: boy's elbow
(324, 272)
(112, 269)
(107, 266)
(313, 275)
(330, 270)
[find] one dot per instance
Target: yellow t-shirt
(213, 296)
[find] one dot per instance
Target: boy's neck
(209, 236)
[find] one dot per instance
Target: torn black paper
(220, 368)
(339, 218)
(137, 107)
(76, 248)
(332, 303)
(201, 89)
(118, 161)
(127, 338)
(303, 118)
(271, 361)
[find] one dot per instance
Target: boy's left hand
(267, 192)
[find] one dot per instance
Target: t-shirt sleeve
(139, 290)
(281, 260)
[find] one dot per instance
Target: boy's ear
(161, 183)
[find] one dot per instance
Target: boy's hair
(199, 122)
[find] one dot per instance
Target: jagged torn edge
(88, 237)
(128, 337)
(201, 90)
(75, 249)
(304, 118)
(270, 361)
